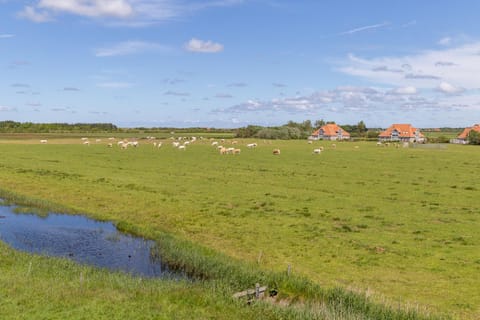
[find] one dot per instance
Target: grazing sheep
(214, 143)
(87, 143)
(334, 145)
(310, 142)
(175, 144)
(44, 141)
(159, 145)
(237, 151)
(252, 145)
(222, 150)
(356, 147)
(110, 145)
(182, 148)
(317, 151)
(276, 151)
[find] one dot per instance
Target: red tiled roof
(404, 131)
(466, 131)
(330, 130)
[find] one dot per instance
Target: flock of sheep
(181, 143)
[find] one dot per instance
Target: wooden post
(289, 270)
(257, 290)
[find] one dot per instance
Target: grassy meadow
(397, 225)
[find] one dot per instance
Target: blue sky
(229, 63)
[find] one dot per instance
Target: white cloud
(130, 47)
(120, 12)
(89, 8)
(424, 70)
(445, 41)
(362, 101)
(404, 90)
(448, 88)
(5, 36)
(196, 45)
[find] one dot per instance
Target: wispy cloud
(130, 47)
(237, 84)
(176, 93)
(223, 95)
(445, 64)
(365, 28)
(115, 85)
(367, 101)
(7, 109)
(197, 45)
(445, 41)
(71, 89)
(425, 69)
(173, 81)
(6, 36)
(410, 90)
(20, 85)
(34, 14)
(120, 12)
(409, 24)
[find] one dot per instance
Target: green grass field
(400, 225)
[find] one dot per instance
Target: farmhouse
(463, 137)
(330, 131)
(402, 132)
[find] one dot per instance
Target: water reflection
(81, 239)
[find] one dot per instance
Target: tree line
(301, 130)
(30, 127)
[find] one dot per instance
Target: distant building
(401, 133)
(330, 131)
(463, 137)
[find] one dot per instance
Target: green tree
(319, 123)
(361, 128)
(474, 137)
